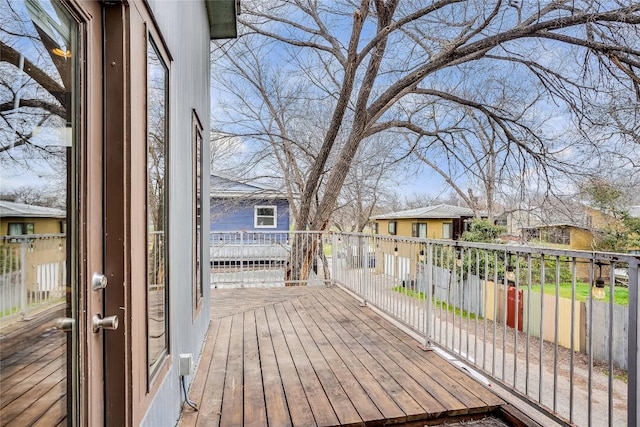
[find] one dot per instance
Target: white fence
(32, 273)
(263, 259)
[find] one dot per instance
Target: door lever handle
(109, 322)
(65, 324)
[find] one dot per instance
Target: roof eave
(222, 18)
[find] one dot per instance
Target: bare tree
(35, 97)
(378, 63)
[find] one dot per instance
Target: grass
(438, 303)
(583, 290)
(9, 312)
(327, 249)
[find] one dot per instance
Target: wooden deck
(33, 373)
(308, 356)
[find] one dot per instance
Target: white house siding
(185, 29)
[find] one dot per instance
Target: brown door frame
(85, 373)
(117, 362)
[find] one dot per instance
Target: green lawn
(438, 303)
(620, 296)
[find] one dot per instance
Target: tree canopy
(505, 92)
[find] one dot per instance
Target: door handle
(109, 322)
(98, 281)
(65, 324)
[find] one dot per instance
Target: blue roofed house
(249, 224)
(237, 206)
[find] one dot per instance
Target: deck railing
(32, 273)
(522, 317)
(262, 258)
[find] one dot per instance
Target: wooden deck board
(299, 407)
(355, 393)
(388, 379)
(199, 382)
(434, 402)
(458, 399)
(233, 401)
(385, 404)
(211, 408)
(472, 394)
(312, 356)
(338, 399)
(323, 412)
(36, 401)
(255, 410)
(275, 399)
(33, 377)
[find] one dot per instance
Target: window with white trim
(447, 230)
(391, 228)
(265, 217)
(419, 229)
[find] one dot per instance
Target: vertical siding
(185, 29)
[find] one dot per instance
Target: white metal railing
(32, 273)
(523, 316)
(263, 258)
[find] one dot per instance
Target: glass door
(50, 212)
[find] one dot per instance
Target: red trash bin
(511, 307)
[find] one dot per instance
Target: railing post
(334, 257)
(365, 268)
(23, 277)
(633, 411)
(428, 291)
(242, 278)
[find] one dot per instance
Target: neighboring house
(553, 212)
(19, 219)
(35, 233)
(567, 236)
(434, 222)
(247, 207)
(516, 220)
(249, 224)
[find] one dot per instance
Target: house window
(197, 211)
(265, 217)
(419, 229)
(392, 228)
(447, 230)
(558, 236)
(20, 228)
(375, 228)
(157, 179)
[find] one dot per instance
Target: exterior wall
(40, 225)
(185, 30)
(232, 215)
(581, 239)
(403, 228)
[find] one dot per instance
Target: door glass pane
(38, 58)
(157, 101)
